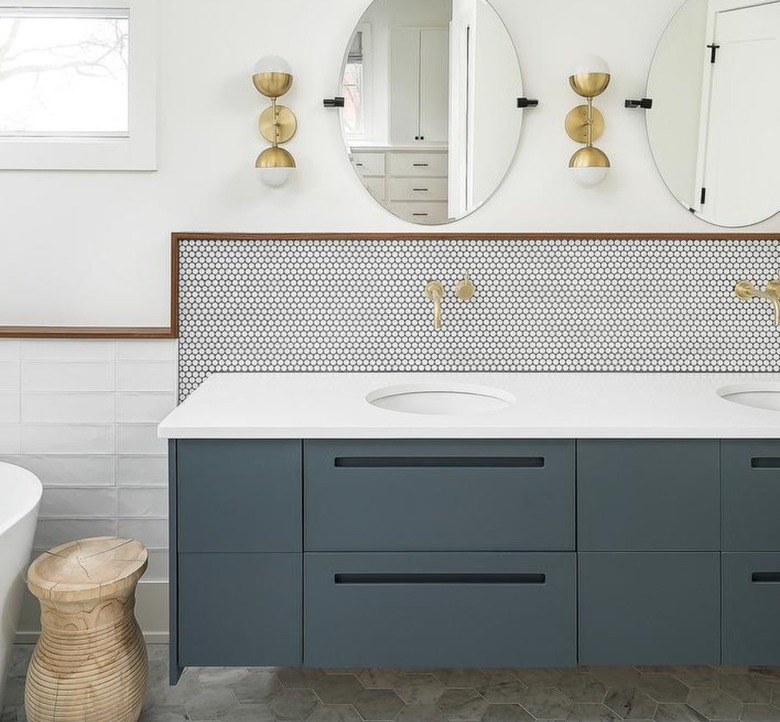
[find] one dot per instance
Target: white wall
(93, 248)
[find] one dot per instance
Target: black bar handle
(527, 103)
(439, 462)
(765, 578)
(765, 462)
(419, 165)
(420, 190)
(337, 102)
(644, 103)
(446, 578)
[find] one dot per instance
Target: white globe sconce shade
(275, 166)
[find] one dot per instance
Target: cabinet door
(648, 495)
(751, 604)
(434, 85)
(438, 495)
(641, 608)
(240, 609)
(453, 610)
(751, 495)
(404, 85)
(239, 495)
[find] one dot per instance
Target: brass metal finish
(278, 124)
(746, 290)
(589, 157)
(272, 85)
(465, 289)
(275, 158)
(577, 124)
(589, 85)
(434, 292)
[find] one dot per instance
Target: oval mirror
(430, 117)
(714, 121)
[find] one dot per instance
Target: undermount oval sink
(758, 395)
(441, 399)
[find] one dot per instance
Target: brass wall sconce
(273, 78)
(585, 124)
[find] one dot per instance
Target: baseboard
(151, 610)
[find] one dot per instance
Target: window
(354, 86)
(77, 85)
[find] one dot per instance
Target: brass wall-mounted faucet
(434, 292)
(747, 290)
(465, 288)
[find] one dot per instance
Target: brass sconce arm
(747, 290)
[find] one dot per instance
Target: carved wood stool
(90, 662)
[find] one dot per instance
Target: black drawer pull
(419, 165)
(765, 577)
(765, 462)
(419, 214)
(439, 462)
(439, 578)
(420, 190)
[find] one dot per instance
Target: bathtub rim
(31, 498)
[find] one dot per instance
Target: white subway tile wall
(82, 416)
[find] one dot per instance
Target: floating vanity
(506, 520)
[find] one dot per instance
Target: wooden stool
(90, 662)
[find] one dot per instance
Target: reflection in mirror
(713, 124)
(430, 118)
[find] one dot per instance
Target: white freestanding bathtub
(20, 497)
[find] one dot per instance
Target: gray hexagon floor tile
(663, 688)
(251, 713)
(630, 703)
(257, 687)
(221, 676)
(211, 704)
(293, 678)
(166, 714)
(380, 678)
(419, 689)
(335, 713)
(337, 688)
(760, 713)
(462, 704)
(294, 705)
(698, 676)
(618, 677)
(504, 691)
(677, 713)
(747, 688)
(547, 703)
(538, 677)
(588, 712)
(714, 703)
(420, 713)
(377, 704)
(506, 713)
(462, 677)
(582, 687)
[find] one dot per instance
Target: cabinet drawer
(648, 495)
(751, 600)
(375, 186)
(239, 495)
(416, 189)
(369, 163)
(430, 495)
(420, 212)
(751, 495)
(453, 610)
(418, 164)
(640, 608)
(240, 609)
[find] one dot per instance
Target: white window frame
(137, 150)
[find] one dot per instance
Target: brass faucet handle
(434, 289)
(465, 289)
(773, 287)
(746, 290)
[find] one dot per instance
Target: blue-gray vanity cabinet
(751, 608)
(751, 495)
(240, 609)
(438, 495)
(649, 608)
(440, 609)
(239, 495)
(648, 495)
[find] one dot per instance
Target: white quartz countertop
(327, 405)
